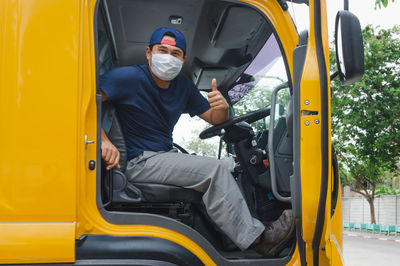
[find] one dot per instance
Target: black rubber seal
(324, 132)
(335, 184)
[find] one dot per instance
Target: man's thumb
(214, 84)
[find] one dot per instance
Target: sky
(363, 9)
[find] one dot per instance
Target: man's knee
(220, 170)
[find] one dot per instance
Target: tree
(259, 96)
(365, 116)
(202, 147)
(379, 3)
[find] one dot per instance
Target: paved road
(359, 251)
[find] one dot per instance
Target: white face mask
(165, 66)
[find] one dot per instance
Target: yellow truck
(57, 202)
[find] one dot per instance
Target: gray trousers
(222, 198)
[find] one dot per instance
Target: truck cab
(59, 204)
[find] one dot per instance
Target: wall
(357, 210)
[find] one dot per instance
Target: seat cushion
(160, 193)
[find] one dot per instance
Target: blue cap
(158, 34)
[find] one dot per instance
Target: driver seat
(121, 192)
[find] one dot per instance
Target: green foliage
(259, 97)
(386, 190)
(201, 147)
(366, 115)
(379, 3)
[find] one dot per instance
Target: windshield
(251, 91)
(254, 87)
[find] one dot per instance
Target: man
(149, 100)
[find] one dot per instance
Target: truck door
(39, 130)
(312, 139)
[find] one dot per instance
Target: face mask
(165, 67)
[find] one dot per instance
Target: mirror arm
(346, 5)
(334, 75)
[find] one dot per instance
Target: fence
(387, 210)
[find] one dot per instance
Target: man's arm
(103, 96)
(219, 111)
(109, 153)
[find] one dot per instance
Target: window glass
(186, 133)
(254, 87)
(252, 91)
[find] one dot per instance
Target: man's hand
(215, 98)
(219, 108)
(109, 153)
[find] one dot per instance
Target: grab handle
(271, 152)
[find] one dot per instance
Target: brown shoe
(275, 234)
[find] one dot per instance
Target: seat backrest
(127, 193)
(283, 147)
(113, 131)
(289, 118)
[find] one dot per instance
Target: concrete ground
(366, 249)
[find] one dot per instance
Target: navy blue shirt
(147, 113)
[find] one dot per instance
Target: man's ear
(148, 54)
(184, 59)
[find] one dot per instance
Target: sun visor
(236, 27)
(206, 75)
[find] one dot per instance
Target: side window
(254, 87)
(105, 53)
(105, 58)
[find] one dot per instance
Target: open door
(316, 183)
(312, 139)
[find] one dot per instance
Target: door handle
(88, 141)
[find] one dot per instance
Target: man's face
(165, 49)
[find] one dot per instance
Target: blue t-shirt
(147, 113)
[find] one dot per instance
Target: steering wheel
(249, 118)
(179, 148)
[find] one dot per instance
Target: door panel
(312, 160)
(38, 93)
(37, 242)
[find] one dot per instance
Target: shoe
(275, 234)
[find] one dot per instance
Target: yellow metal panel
(336, 234)
(47, 80)
(37, 242)
(38, 94)
(90, 220)
(283, 25)
(295, 259)
(310, 152)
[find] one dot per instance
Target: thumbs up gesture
(215, 98)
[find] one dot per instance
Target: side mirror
(349, 47)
